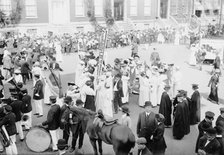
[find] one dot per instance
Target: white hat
(17, 71)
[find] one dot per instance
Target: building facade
(71, 15)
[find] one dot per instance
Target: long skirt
(213, 96)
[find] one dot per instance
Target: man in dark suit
(9, 123)
(195, 106)
(220, 120)
(64, 118)
(118, 92)
(16, 109)
(208, 144)
(220, 138)
(38, 95)
(26, 108)
(146, 124)
(203, 126)
(25, 69)
(53, 122)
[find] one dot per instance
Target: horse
(120, 136)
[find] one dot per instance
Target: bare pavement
(178, 55)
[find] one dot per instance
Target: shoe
(54, 150)
(39, 116)
(71, 150)
(36, 114)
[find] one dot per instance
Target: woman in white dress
(160, 38)
(192, 60)
(59, 57)
(104, 96)
(143, 90)
(154, 86)
(177, 38)
(125, 79)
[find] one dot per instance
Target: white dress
(177, 39)
(59, 57)
(104, 99)
(154, 90)
(125, 79)
(143, 90)
(192, 60)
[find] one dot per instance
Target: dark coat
(159, 144)
(220, 122)
(181, 117)
(221, 141)
(10, 123)
(26, 104)
(187, 116)
(90, 102)
(119, 88)
(16, 109)
(64, 116)
(195, 108)
(38, 89)
(146, 126)
(201, 130)
(165, 108)
(53, 117)
(25, 68)
(212, 148)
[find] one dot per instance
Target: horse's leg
(93, 142)
(100, 146)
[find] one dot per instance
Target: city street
(169, 53)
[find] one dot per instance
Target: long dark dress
(202, 126)
(213, 96)
(195, 108)
(90, 103)
(179, 126)
(186, 116)
(166, 108)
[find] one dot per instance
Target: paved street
(169, 54)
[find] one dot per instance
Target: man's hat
(8, 108)
(71, 83)
(141, 140)
(221, 109)
(53, 98)
(170, 64)
(148, 103)
(209, 114)
(125, 109)
(160, 117)
(62, 144)
(23, 90)
(68, 99)
(211, 131)
(37, 76)
(12, 89)
(79, 102)
(195, 86)
(20, 84)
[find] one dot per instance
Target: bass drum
(38, 139)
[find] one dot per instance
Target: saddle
(110, 121)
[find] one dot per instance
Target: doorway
(119, 10)
(163, 9)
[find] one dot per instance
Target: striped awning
(198, 6)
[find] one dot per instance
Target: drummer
(53, 122)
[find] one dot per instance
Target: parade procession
(123, 77)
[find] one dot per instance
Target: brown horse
(121, 137)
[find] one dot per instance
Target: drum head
(38, 139)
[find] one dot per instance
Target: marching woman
(125, 118)
(143, 90)
(192, 60)
(213, 96)
(125, 82)
(154, 86)
(58, 51)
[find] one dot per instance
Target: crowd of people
(155, 85)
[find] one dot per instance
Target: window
(215, 12)
(147, 8)
(133, 7)
(6, 6)
(31, 8)
(98, 7)
(79, 8)
(207, 12)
